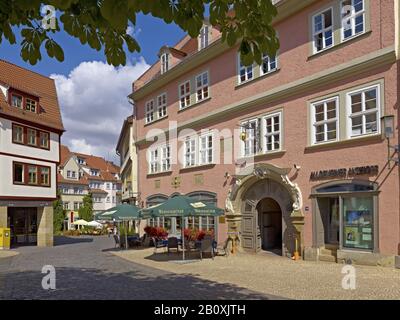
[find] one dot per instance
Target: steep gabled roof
(107, 168)
(35, 84)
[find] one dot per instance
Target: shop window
(358, 223)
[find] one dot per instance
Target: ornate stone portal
(253, 184)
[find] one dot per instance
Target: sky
(93, 94)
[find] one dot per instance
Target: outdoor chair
(173, 244)
(190, 246)
(207, 246)
(158, 244)
(117, 242)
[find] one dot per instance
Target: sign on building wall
(344, 173)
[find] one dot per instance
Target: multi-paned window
(202, 86)
(149, 111)
(251, 137)
(30, 174)
(198, 150)
(184, 95)
(190, 151)
(18, 134)
(206, 149)
(16, 101)
(44, 140)
(262, 135)
(246, 73)
(353, 18)
(165, 158)
(154, 161)
(30, 105)
(162, 105)
(323, 30)
(31, 137)
(325, 120)
(160, 159)
(165, 62)
(268, 64)
(204, 37)
(272, 132)
(363, 111)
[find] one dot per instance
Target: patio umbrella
(95, 224)
(80, 222)
(123, 212)
(181, 206)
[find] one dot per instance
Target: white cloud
(94, 104)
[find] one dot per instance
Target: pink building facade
(293, 149)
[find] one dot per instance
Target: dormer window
(23, 101)
(164, 62)
(16, 101)
(31, 105)
(81, 161)
(94, 173)
(204, 37)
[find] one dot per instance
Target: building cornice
(358, 65)
(285, 9)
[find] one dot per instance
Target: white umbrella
(95, 224)
(81, 222)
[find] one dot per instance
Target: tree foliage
(103, 24)
(86, 211)
(58, 214)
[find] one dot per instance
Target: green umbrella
(122, 212)
(181, 206)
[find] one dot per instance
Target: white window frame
(162, 105)
(204, 37)
(192, 152)
(165, 63)
(242, 67)
(352, 19)
(165, 158)
(150, 111)
(324, 122)
(363, 112)
(154, 161)
(248, 137)
(267, 59)
(207, 151)
(272, 134)
(183, 103)
(204, 89)
(323, 30)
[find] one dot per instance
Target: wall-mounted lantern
(388, 127)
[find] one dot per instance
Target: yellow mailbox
(5, 238)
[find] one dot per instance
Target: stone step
(328, 252)
(327, 258)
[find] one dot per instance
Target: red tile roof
(107, 168)
(35, 84)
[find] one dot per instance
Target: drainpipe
(397, 48)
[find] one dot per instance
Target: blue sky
(152, 33)
(92, 94)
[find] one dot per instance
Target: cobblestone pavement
(86, 269)
(270, 274)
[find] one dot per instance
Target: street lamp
(388, 127)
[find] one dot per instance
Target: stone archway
(253, 184)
